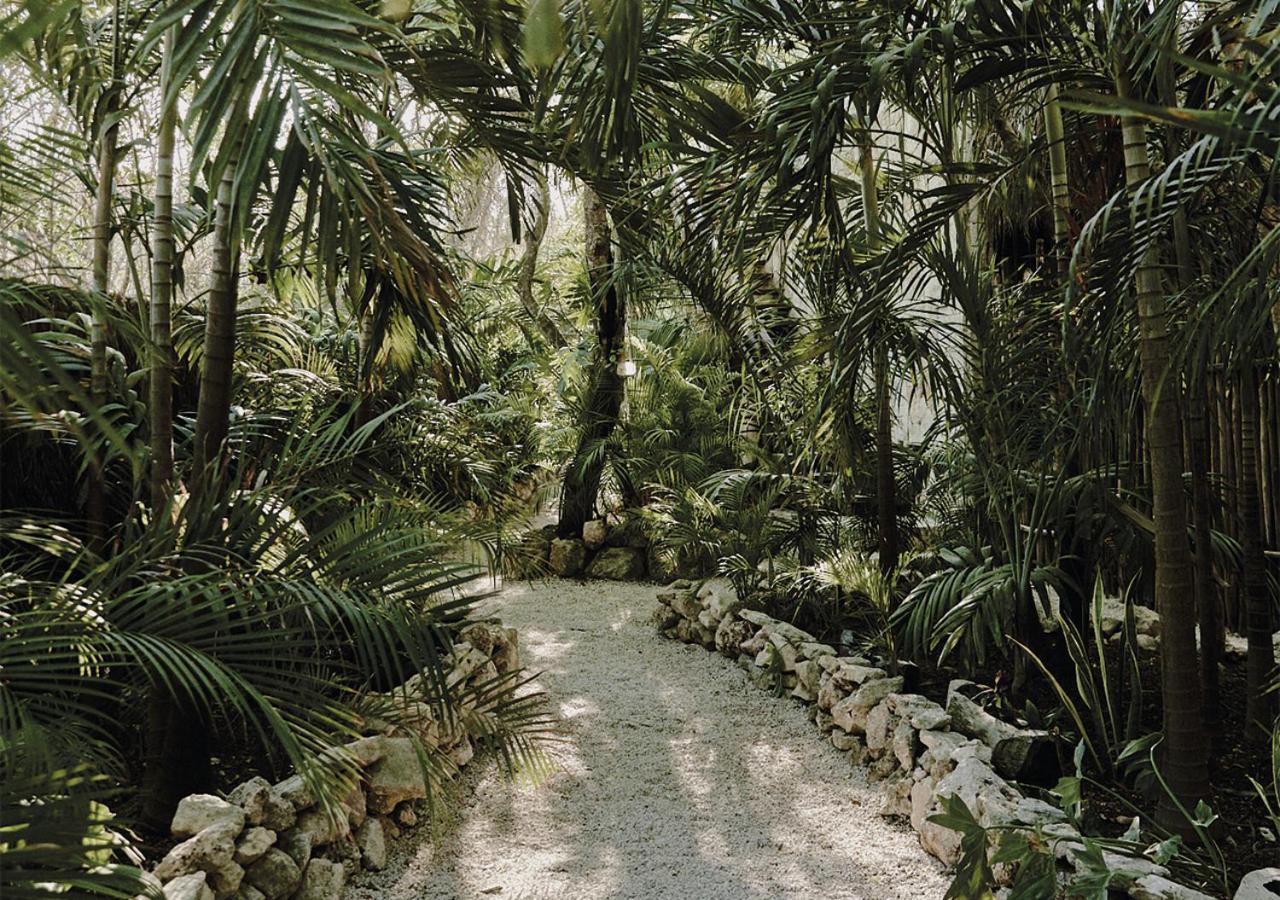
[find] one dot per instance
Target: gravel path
(677, 780)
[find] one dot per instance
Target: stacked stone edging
(610, 550)
(270, 842)
(918, 751)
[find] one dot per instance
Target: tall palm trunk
(214, 408)
(886, 485)
(1185, 755)
(1208, 604)
(107, 154)
(1058, 184)
(603, 400)
(1259, 706)
(160, 387)
(529, 267)
(1078, 562)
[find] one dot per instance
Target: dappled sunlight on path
(675, 779)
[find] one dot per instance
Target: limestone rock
(280, 814)
(988, 796)
(567, 556)
(807, 672)
(905, 744)
(356, 805)
(297, 844)
(1260, 884)
(895, 797)
(731, 635)
(225, 880)
(253, 843)
(923, 713)
(275, 874)
(842, 740)
(396, 777)
(248, 892)
(324, 826)
(345, 853)
(786, 651)
(618, 564)
(252, 796)
(686, 604)
(210, 851)
(851, 712)
(462, 752)
(1015, 752)
(921, 800)
(506, 652)
(297, 792)
(199, 811)
(879, 727)
(372, 841)
(367, 750)
(1157, 887)
(848, 676)
(188, 887)
(594, 533)
(719, 599)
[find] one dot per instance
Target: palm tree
(602, 399)
(160, 382)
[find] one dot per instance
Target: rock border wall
(268, 841)
(918, 751)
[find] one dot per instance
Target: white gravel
(677, 780)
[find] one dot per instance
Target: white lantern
(626, 367)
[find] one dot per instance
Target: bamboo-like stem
(214, 407)
(160, 386)
(1185, 756)
(1259, 703)
(1058, 184)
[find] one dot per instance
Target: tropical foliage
(915, 321)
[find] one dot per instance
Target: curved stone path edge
(676, 778)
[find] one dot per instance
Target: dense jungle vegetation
(945, 329)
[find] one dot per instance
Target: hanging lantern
(626, 367)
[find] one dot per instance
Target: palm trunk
(1078, 562)
(603, 400)
(1208, 604)
(1259, 708)
(214, 408)
(160, 396)
(107, 153)
(886, 485)
(1185, 757)
(1055, 134)
(529, 267)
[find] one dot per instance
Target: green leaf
(543, 34)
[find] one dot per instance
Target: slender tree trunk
(107, 153)
(1078, 562)
(214, 408)
(886, 485)
(1059, 190)
(1259, 705)
(160, 387)
(603, 400)
(1185, 756)
(1208, 604)
(1228, 397)
(529, 267)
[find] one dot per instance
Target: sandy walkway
(678, 781)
